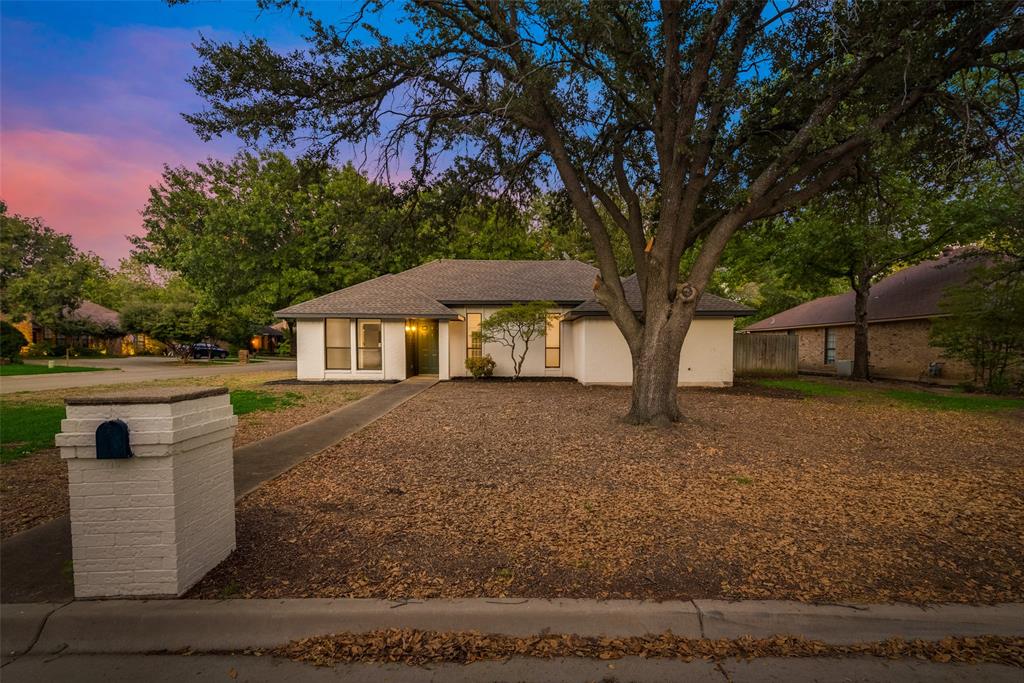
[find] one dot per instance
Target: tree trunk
(656, 371)
(861, 352)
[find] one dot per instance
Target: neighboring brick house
(900, 314)
(113, 342)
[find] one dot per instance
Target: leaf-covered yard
(537, 489)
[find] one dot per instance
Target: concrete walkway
(35, 564)
(131, 370)
(108, 636)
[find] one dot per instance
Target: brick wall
(898, 349)
(155, 523)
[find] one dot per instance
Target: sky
(91, 97)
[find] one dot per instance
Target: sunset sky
(92, 96)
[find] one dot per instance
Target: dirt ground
(538, 490)
(34, 489)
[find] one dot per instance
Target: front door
(421, 349)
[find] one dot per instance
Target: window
(830, 345)
(553, 341)
(339, 344)
(473, 345)
(368, 343)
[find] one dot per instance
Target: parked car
(204, 350)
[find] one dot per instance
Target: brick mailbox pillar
(151, 479)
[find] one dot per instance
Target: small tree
(985, 325)
(11, 341)
(515, 327)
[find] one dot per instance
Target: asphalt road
(131, 370)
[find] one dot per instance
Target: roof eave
(351, 314)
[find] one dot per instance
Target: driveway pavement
(131, 370)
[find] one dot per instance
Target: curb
(138, 626)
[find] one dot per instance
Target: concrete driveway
(131, 370)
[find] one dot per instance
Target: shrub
(11, 341)
(480, 366)
(39, 350)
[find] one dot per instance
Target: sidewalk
(34, 564)
(104, 639)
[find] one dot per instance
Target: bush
(39, 350)
(480, 366)
(11, 341)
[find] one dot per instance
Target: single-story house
(105, 336)
(424, 321)
(266, 338)
(901, 308)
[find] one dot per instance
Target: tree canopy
(42, 273)
(675, 123)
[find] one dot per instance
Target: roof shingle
(913, 292)
(424, 291)
(708, 305)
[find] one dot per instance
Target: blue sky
(92, 96)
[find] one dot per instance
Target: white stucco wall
(309, 349)
(593, 352)
(706, 358)
(310, 353)
(533, 366)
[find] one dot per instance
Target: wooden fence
(764, 354)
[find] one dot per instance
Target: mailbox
(112, 441)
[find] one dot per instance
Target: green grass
(912, 398)
(969, 402)
(25, 369)
(249, 401)
(806, 387)
(27, 427)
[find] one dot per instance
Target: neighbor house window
(339, 344)
(368, 341)
(473, 345)
(553, 341)
(830, 345)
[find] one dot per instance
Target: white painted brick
(153, 524)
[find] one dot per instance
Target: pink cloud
(90, 186)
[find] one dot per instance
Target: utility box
(844, 368)
(151, 483)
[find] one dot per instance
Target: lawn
(937, 399)
(14, 369)
(27, 427)
(539, 490)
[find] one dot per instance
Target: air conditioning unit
(844, 368)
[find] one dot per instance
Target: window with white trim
(338, 343)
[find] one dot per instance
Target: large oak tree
(677, 123)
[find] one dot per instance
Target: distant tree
(42, 273)
(675, 123)
(515, 327)
(169, 315)
(11, 342)
(262, 232)
(984, 326)
(984, 322)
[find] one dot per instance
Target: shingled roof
(709, 305)
(911, 293)
(387, 296)
(428, 290)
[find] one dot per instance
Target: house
(99, 331)
(900, 313)
(424, 321)
(266, 338)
